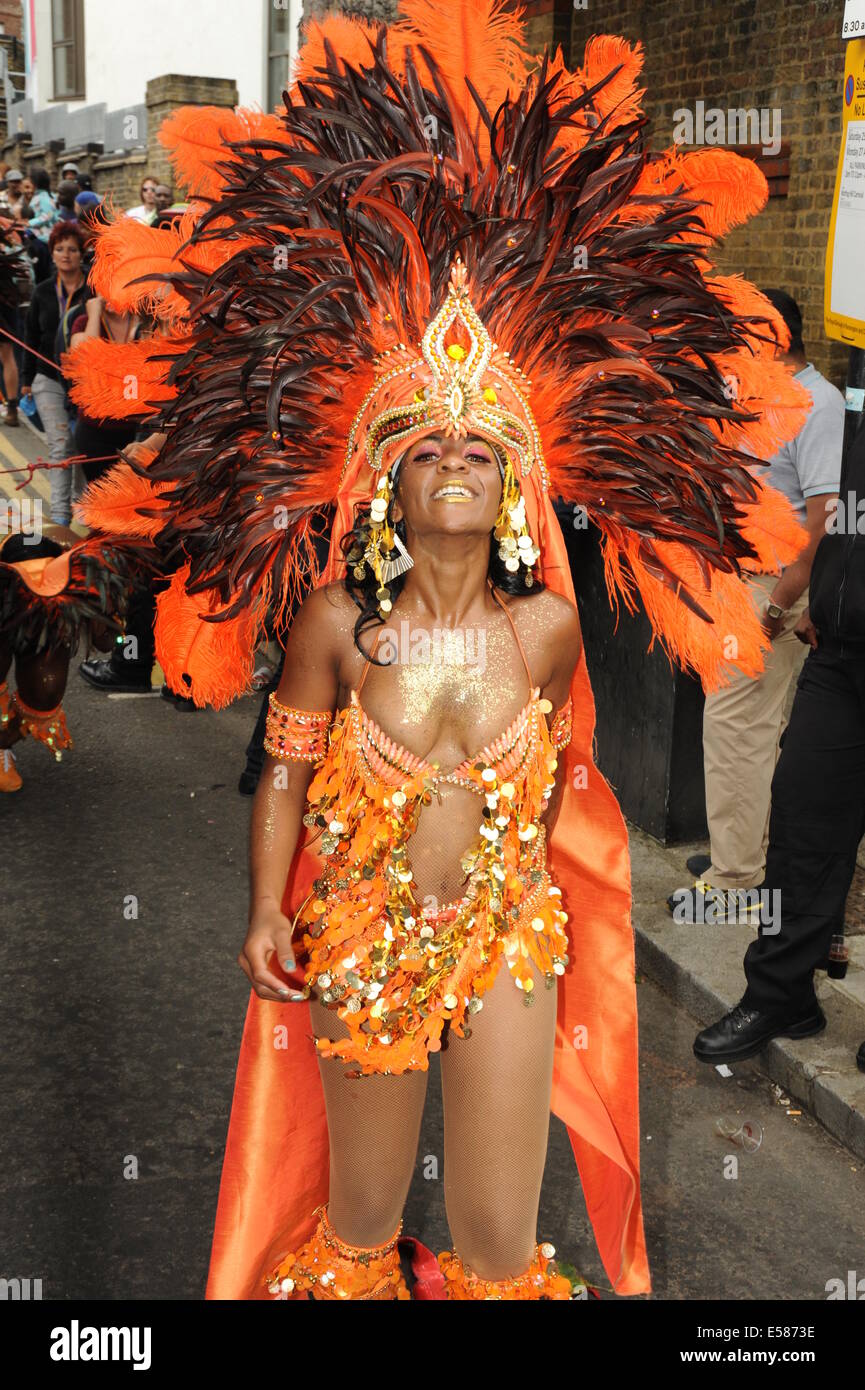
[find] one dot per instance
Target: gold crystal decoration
(469, 391)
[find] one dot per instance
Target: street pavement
(119, 1040)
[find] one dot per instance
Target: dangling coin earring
(516, 546)
(392, 568)
(383, 541)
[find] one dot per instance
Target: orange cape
(276, 1165)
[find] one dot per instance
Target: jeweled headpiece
(459, 383)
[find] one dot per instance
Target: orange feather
(773, 529)
(621, 94)
(484, 44)
(731, 188)
(112, 503)
(127, 249)
(117, 380)
(217, 658)
(348, 37)
(744, 299)
(734, 637)
(196, 138)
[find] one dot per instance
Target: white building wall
(129, 41)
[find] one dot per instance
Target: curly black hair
(364, 591)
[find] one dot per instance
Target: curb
(704, 974)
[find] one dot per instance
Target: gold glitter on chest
(447, 691)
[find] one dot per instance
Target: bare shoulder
(549, 614)
(315, 649)
(324, 621)
(549, 628)
(326, 609)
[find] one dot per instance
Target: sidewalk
(18, 447)
(700, 966)
(22, 496)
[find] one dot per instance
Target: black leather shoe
(744, 1032)
(860, 1057)
(698, 864)
(181, 702)
(103, 676)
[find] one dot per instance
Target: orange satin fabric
(276, 1160)
(46, 577)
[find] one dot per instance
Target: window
(281, 44)
(67, 42)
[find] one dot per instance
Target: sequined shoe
(10, 778)
(330, 1269)
(541, 1280)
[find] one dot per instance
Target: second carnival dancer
(55, 589)
(445, 286)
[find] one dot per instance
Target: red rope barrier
(28, 348)
(43, 465)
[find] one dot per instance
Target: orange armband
(297, 734)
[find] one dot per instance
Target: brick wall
(11, 18)
(784, 54)
(120, 174)
(382, 10)
(548, 23)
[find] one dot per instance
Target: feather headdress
(322, 250)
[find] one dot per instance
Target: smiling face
(450, 485)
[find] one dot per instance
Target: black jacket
(43, 319)
(837, 593)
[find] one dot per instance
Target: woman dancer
(469, 742)
(445, 286)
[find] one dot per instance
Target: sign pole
(844, 295)
(855, 411)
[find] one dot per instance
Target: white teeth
(453, 491)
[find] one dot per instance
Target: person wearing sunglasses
(147, 208)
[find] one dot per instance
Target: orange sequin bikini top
(304, 736)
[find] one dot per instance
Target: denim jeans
(50, 398)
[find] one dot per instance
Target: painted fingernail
(297, 998)
(288, 963)
(283, 993)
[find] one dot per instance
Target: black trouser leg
(141, 613)
(817, 821)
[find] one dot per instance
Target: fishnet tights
(496, 1087)
(446, 829)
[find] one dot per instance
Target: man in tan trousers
(743, 722)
